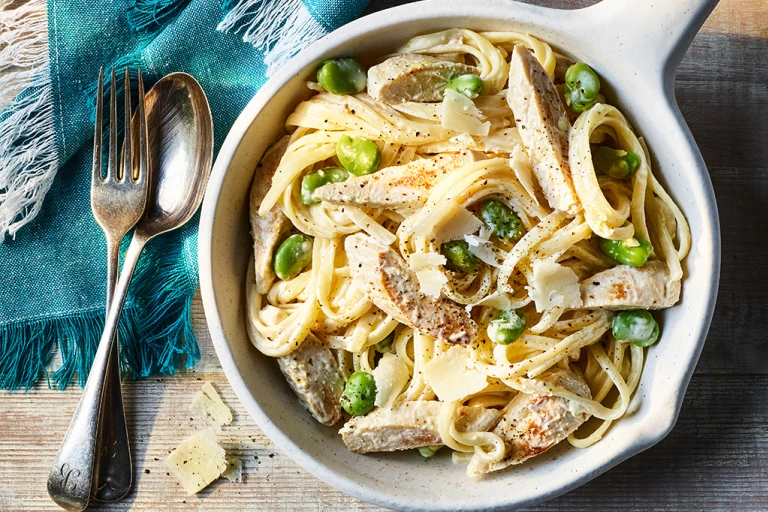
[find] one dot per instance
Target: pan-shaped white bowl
(635, 46)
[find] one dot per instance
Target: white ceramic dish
(635, 46)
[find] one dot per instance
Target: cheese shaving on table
(210, 403)
(234, 471)
(197, 461)
(554, 285)
(461, 114)
(391, 376)
(450, 378)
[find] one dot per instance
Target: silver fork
(95, 452)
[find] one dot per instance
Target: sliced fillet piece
(269, 229)
(413, 77)
(409, 425)
(543, 125)
(401, 187)
(625, 287)
(313, 373)
(393, 287)
(532, 424)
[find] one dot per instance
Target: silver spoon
(181, 152)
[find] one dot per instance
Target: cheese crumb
(450, 378)
(197, 461)
(554, 285)
(234, 471)
(210, 403)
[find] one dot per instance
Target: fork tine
(97, 130)
(112, 171)
(127, 138)
(143, 167)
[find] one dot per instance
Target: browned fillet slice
(532, 424)
(543, 125)
(313, 373)
(401, 187)
(409, 425)
(625, 287)
(413, 77)
(269, 229)
(394, 288)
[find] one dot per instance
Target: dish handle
(651, 34)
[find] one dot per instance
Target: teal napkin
(52, 259)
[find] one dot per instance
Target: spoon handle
(69, 483)
(113, 469)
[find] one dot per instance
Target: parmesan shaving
(554, 285)
(459, 224)
(461, 114)
(197, 461)
(521, 164)
(210, 404)
(431, 282)
(482, 250)
(420, 260)
(498, 300)
(391, 376)
(450, 378)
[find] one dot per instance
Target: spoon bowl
(180, 134)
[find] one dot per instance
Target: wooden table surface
(716, 458)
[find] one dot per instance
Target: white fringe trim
(28, 153)
(280, 28)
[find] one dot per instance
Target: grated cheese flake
(198, 461)
(431, 282)
(460, 114)
(554, 285)
(419, 260)
(482, 250)
(210, 404)
(497, 300)
(450, 378)
(391, 376)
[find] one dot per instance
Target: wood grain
(716, 458)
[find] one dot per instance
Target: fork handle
(113, 470)
(69, 483)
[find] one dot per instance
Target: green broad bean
(359, 156)
(626, 253)
(316, 179)
(470, 86)
(458, 256)
(501, 220)
(385, 345)
(359, 394)
(429, 451)
(615, 163)
(636, 326)
(507, 326)
(342, 76)
(582, 86)
(292, 256)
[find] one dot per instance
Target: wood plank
(713, 460)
